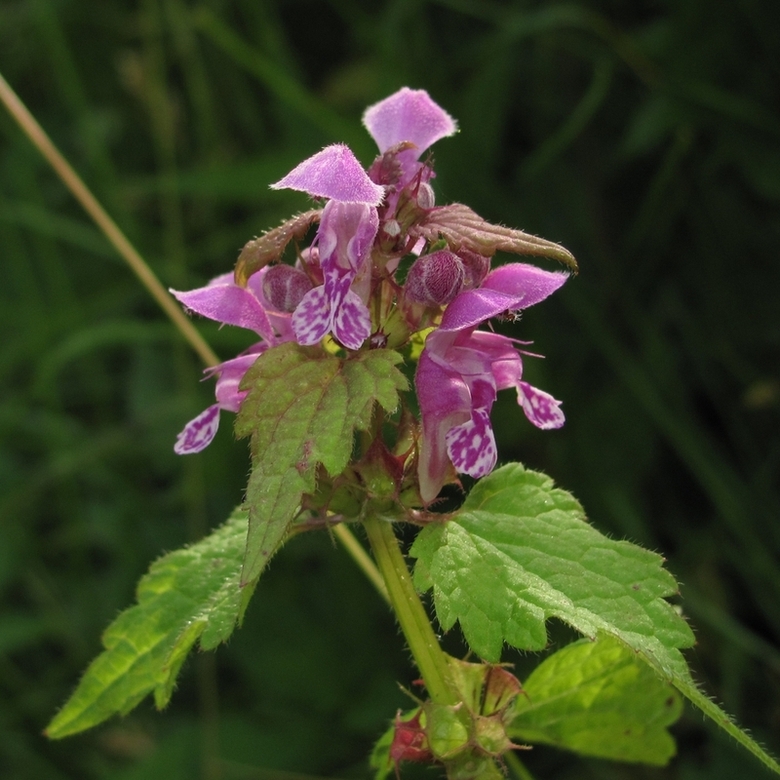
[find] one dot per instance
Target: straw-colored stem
(70, 178)
(73, 182)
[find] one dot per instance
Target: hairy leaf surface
(302, 409)
(520, 551)
(190, 594)
(598, 699)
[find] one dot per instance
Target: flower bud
(475, 268)
(426, 198)
(435, 279)
(284, 287)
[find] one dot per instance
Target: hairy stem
(428, 655)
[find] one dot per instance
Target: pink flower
(199, 432)
(408, 116)
(348, 226)
(350, 220)
(461, 370)
(226, 302)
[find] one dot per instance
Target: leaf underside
(520, 551)
(302, 409)
(190, 594)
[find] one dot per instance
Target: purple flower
(348, 226)
(408, 116)
(461, 370)
(198, 433)
(350, 220)
(247, 307)
(226, 302)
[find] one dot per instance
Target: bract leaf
(268, 248)
(463, 228)
(303, 407)
(520, 551)
(190, 594)
(598, 699)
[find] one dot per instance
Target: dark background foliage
(644, 136)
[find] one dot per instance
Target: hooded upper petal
(408, 115)
(509, 287)
(333, 173)
(224, 301)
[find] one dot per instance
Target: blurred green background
(642, 135)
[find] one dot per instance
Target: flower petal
(352, 321)
(231, 372)
(311, 320)
(198, 432)
(473, 307)
(472, 446)
(444, 402)
(408, 115)
(333, 173)
(230, 304)
(527, 284)
(540, 408)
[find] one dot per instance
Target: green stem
(428, 655)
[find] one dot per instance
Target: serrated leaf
(302, 409)
(598, 699)
(520, 551)
(190, 594)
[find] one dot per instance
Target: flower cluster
(346, 286)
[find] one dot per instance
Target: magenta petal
(540, 408)
(526, 284)
(230, 304)
(198, 433)
(408, 115)
(311, 320)
(333, 173)
(444, 403)
(352, 322)
(472, 446)
(472, 307)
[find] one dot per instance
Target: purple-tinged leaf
(462, 228)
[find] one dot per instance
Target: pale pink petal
(199, 432)
(333, 173)
(231, 372)
(352, 321)
(408, 115)
(540, 408)
(472, 446)
(311, 320)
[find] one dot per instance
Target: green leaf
(520, 551)
(190, 594)
(598, 699)
(302, 409)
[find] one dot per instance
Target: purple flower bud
(435, 279)
(284, 287)
(475, 266)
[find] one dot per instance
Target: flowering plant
(391, 279)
